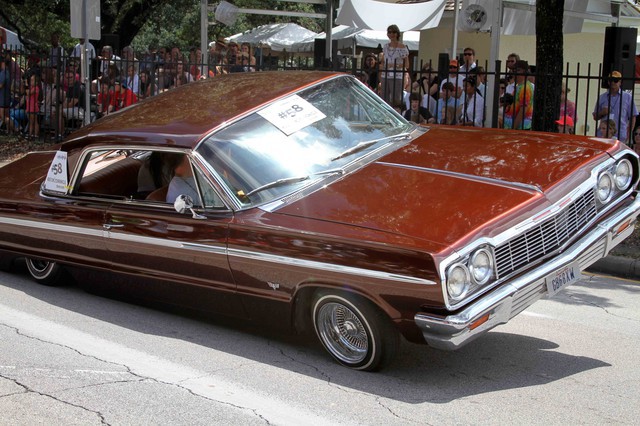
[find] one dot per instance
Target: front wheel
(354, 331)
(44, 271)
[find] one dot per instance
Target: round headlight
(623, 174)
(481, 266)
(604, 189)
(458, 281)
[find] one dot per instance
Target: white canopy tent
(379, 14)
(277, 37)
(349, 36)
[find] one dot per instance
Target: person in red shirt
(106, 98)
(124, 96)
(34, 97)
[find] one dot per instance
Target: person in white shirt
(455, 78)
(77, 50)
(473, 109)
(183, 181)
(469, 57)
(133, 80)
(394, 65)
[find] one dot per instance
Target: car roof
(181, 117)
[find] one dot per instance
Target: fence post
(495, 99)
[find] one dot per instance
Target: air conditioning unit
(475, 16)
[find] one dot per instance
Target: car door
(51, 225)
(179, 258)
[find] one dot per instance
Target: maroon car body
(437, 234)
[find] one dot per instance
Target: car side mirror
(184, 203)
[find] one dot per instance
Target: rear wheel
(44, 271)
(354, 331)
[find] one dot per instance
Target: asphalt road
(68, 357)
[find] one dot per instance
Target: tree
(549, 54)
(159, 22)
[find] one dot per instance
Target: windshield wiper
(365, 144)
(294, 179)
(338, 171)
(275, 183)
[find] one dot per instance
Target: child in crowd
(33, 99)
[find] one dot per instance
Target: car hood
(449, 184)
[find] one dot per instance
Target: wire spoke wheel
(44, 271)
(354, 331)
(343, 333)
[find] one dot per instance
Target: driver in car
(183, 182)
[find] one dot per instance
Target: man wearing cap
(454, 77)
(618, 106)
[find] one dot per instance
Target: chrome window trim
(195, 161)
(518, 229)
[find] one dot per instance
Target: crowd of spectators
(459, 96)
(48, 90)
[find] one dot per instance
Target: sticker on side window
(57, 178)
(291, 114)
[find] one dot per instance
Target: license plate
(562, 278)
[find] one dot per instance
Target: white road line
(147, 365)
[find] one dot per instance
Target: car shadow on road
(497, 361)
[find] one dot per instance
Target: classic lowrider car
(301, 200)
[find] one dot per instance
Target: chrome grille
(545, 237)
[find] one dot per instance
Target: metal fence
(47, 97)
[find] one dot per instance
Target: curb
(618, 266)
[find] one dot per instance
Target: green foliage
(36, 20)
(178, 23)
(142, 22)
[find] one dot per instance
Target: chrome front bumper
(454, 331)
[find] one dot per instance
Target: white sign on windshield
(57, 178)
(291, 114)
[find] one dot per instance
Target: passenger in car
(183, 181)
(155, 172)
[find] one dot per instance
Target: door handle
(109, 226)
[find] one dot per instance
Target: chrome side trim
(161, 242)
(517, 185)
(453, 331)
(97, 232)
(218, 250)
(329, 267)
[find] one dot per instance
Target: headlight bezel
(466, 281)
(490, 267)
(612, 173)
(629, 178)
(605, 175)
(472, 282)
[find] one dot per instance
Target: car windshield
(294, 141)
